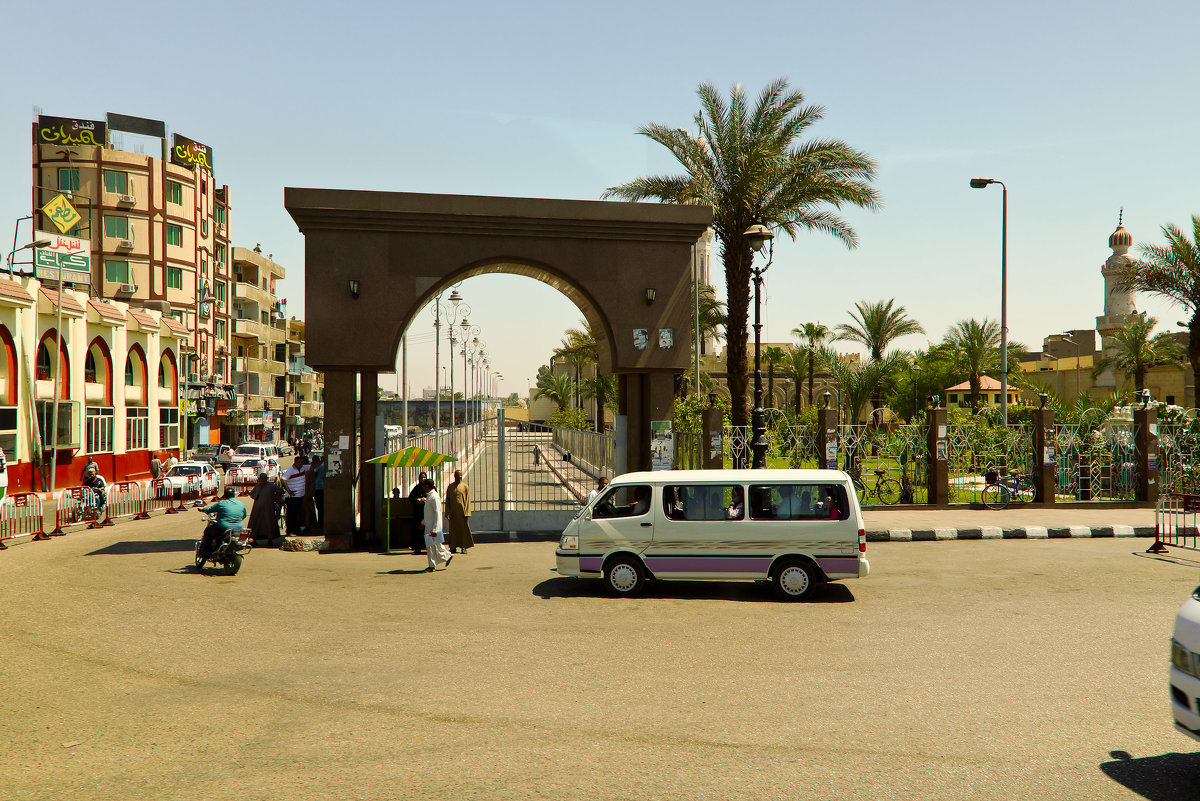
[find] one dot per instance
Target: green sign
(66, 258)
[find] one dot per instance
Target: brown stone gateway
(400, 249)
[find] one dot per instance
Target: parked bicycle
(1002, 491)
(887, 490)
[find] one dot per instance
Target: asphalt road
(958, 670)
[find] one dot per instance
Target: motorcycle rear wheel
(200, 560)
(234, 565)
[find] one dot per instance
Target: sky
(1081, 109)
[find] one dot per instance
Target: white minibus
(1185, 667)
(795, 528)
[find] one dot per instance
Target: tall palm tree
(748, 165)
(558, 387)
(874, 326)
(772, 356)
(1138, 349)
(796, 366)
(579, 349)
(859, 381)
(603, 390)
(712, 312)
(812, 336)
(1172, 270)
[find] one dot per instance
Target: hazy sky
(1080, 108)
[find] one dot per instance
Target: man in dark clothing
(417, 498)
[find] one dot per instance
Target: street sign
(62, 213)
(66, 258)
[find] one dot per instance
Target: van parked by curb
(795, 528)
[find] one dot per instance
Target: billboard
(188, 153)
(67, 256)
(68, 131)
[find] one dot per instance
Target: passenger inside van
(737, 507)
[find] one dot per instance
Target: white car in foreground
(203, 474)
(1185, 667)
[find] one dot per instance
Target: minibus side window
(703, 502)
(798, 502)
(624, 501)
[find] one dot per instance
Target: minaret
(1119, 301)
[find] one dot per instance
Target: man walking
(458, 513)
(296, 479)
(435, 541)
(416, 497)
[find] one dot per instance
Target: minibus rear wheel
(794, 580)
(625, 577)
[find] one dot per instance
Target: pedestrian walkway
(1020, 522)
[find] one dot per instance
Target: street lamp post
(759, 237)
(980, 183)
(916, 375)
(467, 332)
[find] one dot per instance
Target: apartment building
(306, 387)
(260, 347)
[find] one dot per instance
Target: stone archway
(398, 250)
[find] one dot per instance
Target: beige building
(259, 347)
(156, 226)
(305, 387)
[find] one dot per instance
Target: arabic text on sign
(61, 213)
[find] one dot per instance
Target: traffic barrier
(242, 478)
(1175, 522)
(160, 494)
(21, 516)
(191, 491)
(77, 505)
(124, 500)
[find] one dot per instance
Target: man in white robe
(435, 538)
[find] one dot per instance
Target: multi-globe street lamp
(467, 332)
(760, 238)
(981, 183)
(451, 313)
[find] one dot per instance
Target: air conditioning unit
(127, 289)
(127, 199)
(125, 244)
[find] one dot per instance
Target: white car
(207, 476)
(270, 463)
(251, 450)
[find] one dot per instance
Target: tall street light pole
(760, 238)
(980, 183)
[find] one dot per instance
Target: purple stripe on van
(708, 564)
(839, 565)
(591, 564)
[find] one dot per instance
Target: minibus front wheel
(795, 580)
(624, 576)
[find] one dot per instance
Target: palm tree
(748, 165)
(579, 349)
(773, 355)
(796, 366)
(812, 337)
(974, 345)
(1136, 350)
(712, 312)
(558, 387)
(859, 381)
(603, 390)
(1173, 271)
(874, 327)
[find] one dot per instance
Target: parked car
(269, 463)
(285, 448)
(218, 455)
(251, 450)
(209, 478)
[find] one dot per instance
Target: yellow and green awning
(412, 457)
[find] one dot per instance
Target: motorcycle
(228, 553)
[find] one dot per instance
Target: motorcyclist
(228, 513)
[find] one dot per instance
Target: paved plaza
(1002, 669)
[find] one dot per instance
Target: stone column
(1044, 456)
(937, 477)
(1145, 421)
(827, 439)
(340, 458)
(368, 492)
(712, 445)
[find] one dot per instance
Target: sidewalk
(1023, 522)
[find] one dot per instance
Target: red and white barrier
(242, 478)
(77, 505)
(125, 499)
(1175, 522)
(160, 494)
(21, 515)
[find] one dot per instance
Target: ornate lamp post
(467, 331)
(760, 239)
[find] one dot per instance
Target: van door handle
(647, 525)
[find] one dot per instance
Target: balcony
(252, 328)
(253, 292)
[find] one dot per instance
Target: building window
(116, 182)
(168, 427)
(175, 235)
(116, 227)
(221, 293)
(89, 368)
(220, 257)
(1170, 400)
(137, 428)
(116, 271)
(952, 398)
(8, 429)
(178, 315)
(174, 278)
(66, 419)
(265, 318)
(203, 186)
(220, 330)
(98, 429)
(43, 363)
(68, 180)
(281, 353)
(175, 193)
(219, 211)
(204, 227)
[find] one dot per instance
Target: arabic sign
(66, 131)
(65, 256)
(188, 153)
(61, 213)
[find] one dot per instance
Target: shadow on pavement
(145, 546)
(405, 572)
(744, 591)
(1166, 777)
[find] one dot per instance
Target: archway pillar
(368, 487)
(645, 398)
(340, 458)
